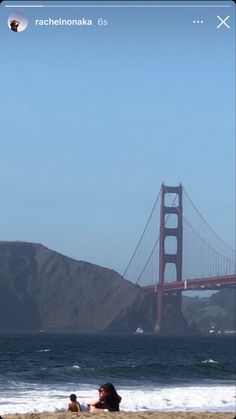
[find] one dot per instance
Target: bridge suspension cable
(208, 253)
(146, 264)
(208, 225)
(150, 218)
(205, 255)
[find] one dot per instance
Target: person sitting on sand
(74, 405)
(108, 399)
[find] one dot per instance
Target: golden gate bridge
(179, 251)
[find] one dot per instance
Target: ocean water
(39, 371)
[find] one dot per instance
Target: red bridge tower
(170, 301)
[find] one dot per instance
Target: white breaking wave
(26, 398)
(209, 361)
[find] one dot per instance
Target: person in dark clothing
(108, 399)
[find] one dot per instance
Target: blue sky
(94, 119)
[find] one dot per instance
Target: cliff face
(42, 289)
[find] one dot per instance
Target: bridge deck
(210, 283)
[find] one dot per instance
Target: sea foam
(32, 399)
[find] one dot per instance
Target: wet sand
(122, 415)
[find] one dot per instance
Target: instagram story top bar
(125, 4)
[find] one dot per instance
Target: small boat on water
(139, 330)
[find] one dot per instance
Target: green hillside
(219, 311)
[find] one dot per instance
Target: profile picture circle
(17, 22)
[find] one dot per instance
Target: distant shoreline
(125, 415)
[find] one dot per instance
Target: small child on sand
(74, 405)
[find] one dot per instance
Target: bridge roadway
(210, 283)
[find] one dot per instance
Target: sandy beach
(123, 415)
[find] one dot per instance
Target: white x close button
(223, 22)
